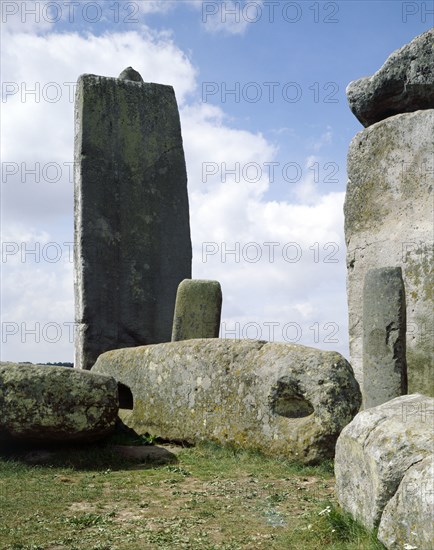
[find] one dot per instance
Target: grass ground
(108, 497)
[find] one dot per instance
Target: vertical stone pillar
(384, 333)
(389, 199)
(132, 232)
(197, 310)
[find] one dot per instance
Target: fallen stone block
(46, 403)
(376, 449)
(198, 309)
(405, 83)
(282, 399)
(408, 518)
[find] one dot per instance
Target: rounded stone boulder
(282, 399)
(376, 449)
(407, 520)
(47, 403)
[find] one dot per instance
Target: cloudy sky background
(266, 127)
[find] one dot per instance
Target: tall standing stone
(384, 330)
(389, 221)
(389, 198)
(132, 233)
(198, 310)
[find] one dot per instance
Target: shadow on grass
(123, 450)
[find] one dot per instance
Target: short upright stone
(132, 232)
(384, 332)
(197, 310)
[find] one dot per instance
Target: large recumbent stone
(283, 399)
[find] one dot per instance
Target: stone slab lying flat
(59, 404)
(132, 229)
(282, 399)
(408, 518)
(389, 222)
(376, 449)
(405, 83)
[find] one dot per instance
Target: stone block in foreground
(55, 404)
(408, 518)
(282, 399)
(376, 449)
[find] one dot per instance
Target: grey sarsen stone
(384, 332)
(132, 233)
(197, 310)
(51, 404)
(283, 399)
(405, 83)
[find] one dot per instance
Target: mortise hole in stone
(286, 400)
(293, 408)
(126, 400)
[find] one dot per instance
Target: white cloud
(301, 283)
(40, 16)
(32, 16)
(325, 139)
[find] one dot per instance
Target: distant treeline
(58, 364)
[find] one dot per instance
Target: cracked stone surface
(132, 231)
(376, 449)
(283, 399)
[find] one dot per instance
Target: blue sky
(261, 169)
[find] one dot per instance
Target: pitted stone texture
(384, 328)
(408, 518)
(283, 399)
(405, 83)
(376, 449)
(132, 233)
(198, 309)
(388, 222)
(46, 403)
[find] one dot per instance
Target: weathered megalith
(46, 403)
(132, 234)
(198, 309)
(405, 83)
(283, 399)
(376, 449)
(384, 330)
(388, 222)
(408, 518)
